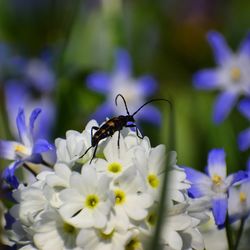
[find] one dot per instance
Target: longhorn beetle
(116, 124)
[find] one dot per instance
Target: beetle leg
(86, 151)
(94, 153)
(130, 126)
(91, 132)
(137, 133)
(136, 129)
(118, 141)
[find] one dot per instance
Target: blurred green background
(166, 38)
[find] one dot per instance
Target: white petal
(157, 159)
(67, 210)
(173, 239)
(100, 219)
(84, 219)
(179, 222)
(87, 239)
(71, 195)
(111, 151)
(48, 240)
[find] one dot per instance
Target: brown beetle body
(115, 124)
(110, 127)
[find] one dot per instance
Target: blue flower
(27, 150)
(35, 72)
(214, 184)
(18, 94)
(239, 201)
(120, 81)
(244, 136)
(231, 76)
(30, 84)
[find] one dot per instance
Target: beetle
(116, 124)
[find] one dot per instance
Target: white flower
(60, 177)
(32, 201)
(179, 231)
(52, 232)
(117, 160)
(213, 237)
(131, 202)
(98, 239)
(87, 202)
(131, 139)
(110, 203)
(151, 166)
(177, 184)
(21, 234)
(199, 208)
(69, 150)
(58, 180)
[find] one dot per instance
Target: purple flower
(239, 201)
(18, 94)
(214, 184)
(244, 136)
(120, 81)
(27, 150)
(30, 84)
(231, 76)
(35, 72)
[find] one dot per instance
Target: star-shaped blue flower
(214, 184)
(29, 76)
(239, 201)
(18, 94)
(120, 81)
(27, 150)
(231, 76)
(36, 72)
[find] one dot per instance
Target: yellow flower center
(243, 197)
(21, 149)
(115, 167)
(153, 180)
(68, 228)
(216, 179)
(235, 74)
(120, 197)
(91, 201)
(104, 236)
(133, 244)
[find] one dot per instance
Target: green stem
(229, 234)
(162, 205)
(239, 234)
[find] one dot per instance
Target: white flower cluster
(108, 204)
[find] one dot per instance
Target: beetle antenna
(153, 100)
(123, 101)
(85, 152)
